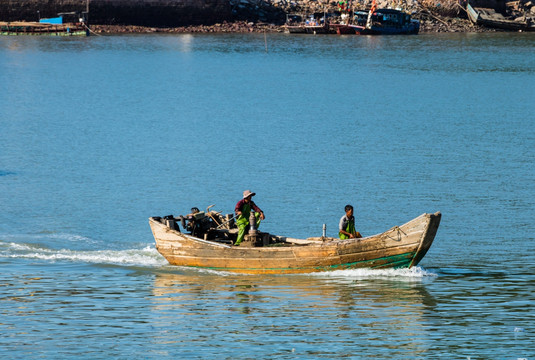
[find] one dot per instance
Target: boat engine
(170, 221)
(197, 222)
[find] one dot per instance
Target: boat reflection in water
(352, 306)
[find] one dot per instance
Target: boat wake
(147, 256)
(415, 273)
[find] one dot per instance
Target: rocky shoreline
(249, 16)
(448, 16)
(427, 25)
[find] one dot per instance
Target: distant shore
(445, 25)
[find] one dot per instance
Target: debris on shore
(447, 16)
(225, 27)
(427, 25)
(256, 16)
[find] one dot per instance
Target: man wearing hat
(243, 211)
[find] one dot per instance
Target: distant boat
(317, 24)
(51, 26)
(295, 24)
(35, 28)
(301, 24)
(491, 18)
(342, 29)
(384, 22)
(210, 247)
(317, 28)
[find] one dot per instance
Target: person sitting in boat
(243, 211)
(347, 225)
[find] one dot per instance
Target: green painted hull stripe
(396, 262)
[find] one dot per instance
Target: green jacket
(350, 228)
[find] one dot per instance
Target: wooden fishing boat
(384, 22)
(399, 247)
(295, 24)
(315, 26)
(66, 24)
(295, 29)
(491, 18)
(317, 23)
(38, 28)
(342, 29)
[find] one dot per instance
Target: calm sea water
(99, 133)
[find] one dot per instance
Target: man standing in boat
(347, 225)
(243, 211)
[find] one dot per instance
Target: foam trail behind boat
(147, 256)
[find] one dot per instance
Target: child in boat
(347, 225)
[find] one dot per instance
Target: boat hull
(317, 29)
(400, 247)
(43, 29)
(384, 22)
(490, 18)
(342, 29)
(411, 29)
(295, 29)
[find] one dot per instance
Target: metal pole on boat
(252, 223)
(324, 230)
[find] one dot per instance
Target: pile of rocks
(276, 10)
(269, 16)
(448, 25)
(451, 7)
(225, 27)
(521, 10)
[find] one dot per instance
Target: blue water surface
(99, 133)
